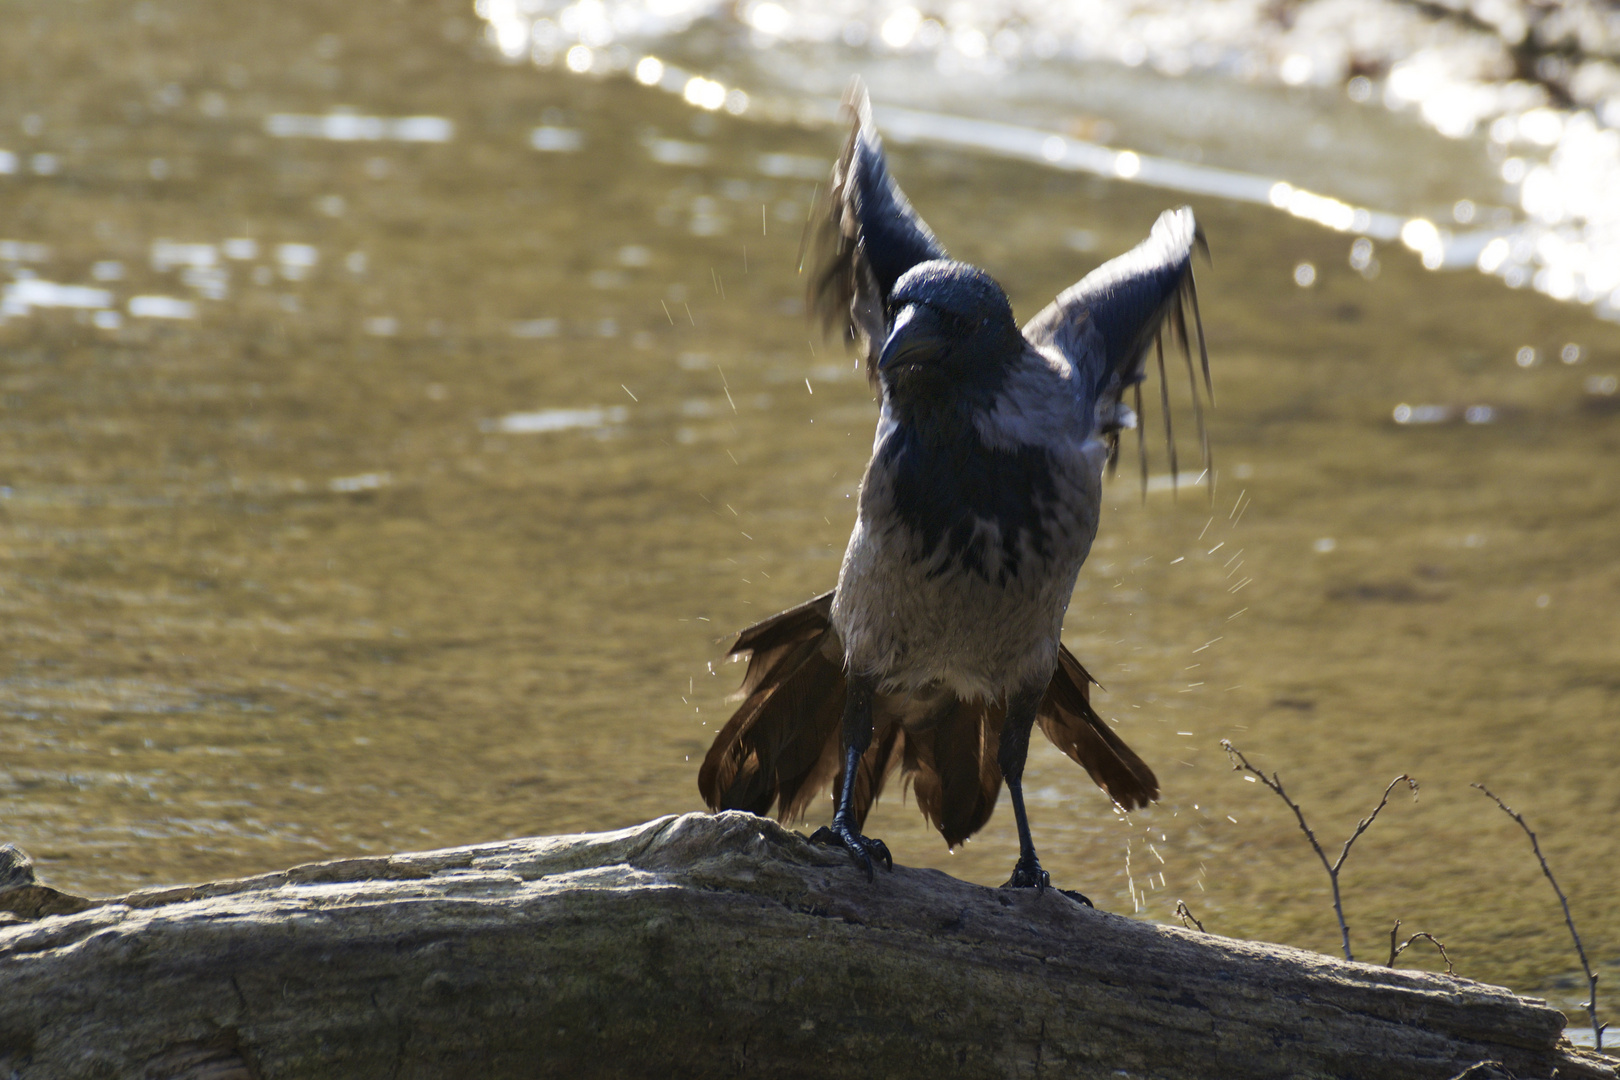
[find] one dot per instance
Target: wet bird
(938, 652)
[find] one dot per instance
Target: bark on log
(698, 946)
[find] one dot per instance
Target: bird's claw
(1027, 874)
(1078, 897)
(861, 848)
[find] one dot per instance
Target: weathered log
(699, 946)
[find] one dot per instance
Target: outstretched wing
(1106, 325)
(867, 236)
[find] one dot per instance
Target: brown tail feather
(796, 623)
(721, 763)
(785, 655)
(776, 743)
(781, 746)
(1067, 718)
(775, 637)
(805, 775)
(953, 769)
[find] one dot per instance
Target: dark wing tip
(1105, 322)
(866, 235)
(1113, 320)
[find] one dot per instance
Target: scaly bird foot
(1024, 877)
(1027, 874)
(862, 849)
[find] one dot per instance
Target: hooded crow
(939, 650)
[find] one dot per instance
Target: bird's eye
(951, 320)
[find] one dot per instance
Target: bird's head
(951, 336)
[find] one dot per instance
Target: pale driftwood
(699, 946)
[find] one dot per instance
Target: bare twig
(1241, 764)
(1580, 950)
(1185, 914)
(1396, 950)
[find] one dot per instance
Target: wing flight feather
(1106, 324)
(866, 236)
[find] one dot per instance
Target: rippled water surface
(392, 438)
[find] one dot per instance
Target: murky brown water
(290, 580)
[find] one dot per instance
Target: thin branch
(1580, 950)
(1368, 820)
(1396, 950)
(1241, 764)
(1185, 913)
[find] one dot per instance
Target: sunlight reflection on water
(1566, 245)
(532, 423)
(352, 127)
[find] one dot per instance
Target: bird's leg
(1021, 709)
(845, 829)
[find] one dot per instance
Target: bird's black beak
(917, 335)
